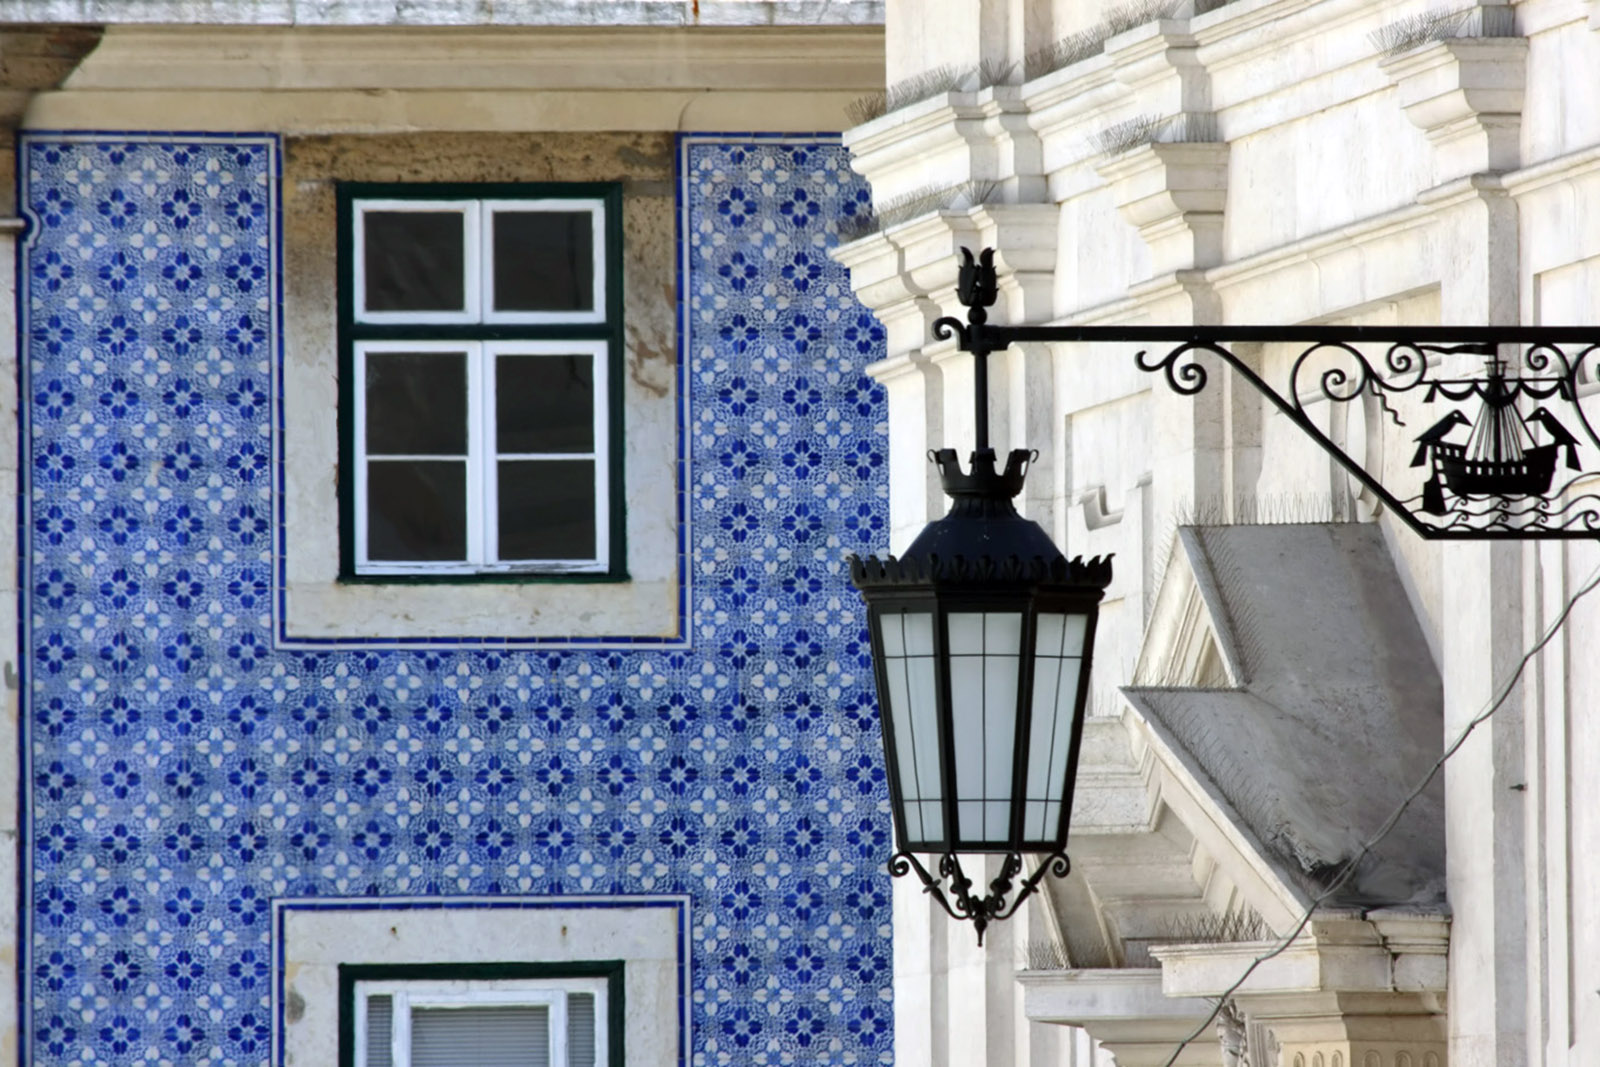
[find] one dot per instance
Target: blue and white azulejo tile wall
(183, 772)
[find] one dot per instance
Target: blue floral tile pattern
(184, 771)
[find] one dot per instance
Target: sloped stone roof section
(1339, 713)
(665, 13)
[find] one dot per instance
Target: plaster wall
(319, 605)
(1343, 201)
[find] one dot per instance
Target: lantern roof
(982, 541)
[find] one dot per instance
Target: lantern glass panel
(985, 659)
(908, 669)
(1058, 652)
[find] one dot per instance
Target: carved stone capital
(1175, 194)
(1466, 95)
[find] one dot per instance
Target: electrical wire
(1383, 831)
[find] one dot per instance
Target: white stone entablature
(1293, 174)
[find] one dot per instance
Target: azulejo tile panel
(184, 772)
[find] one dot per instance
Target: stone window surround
(316, 609)
(313, 936)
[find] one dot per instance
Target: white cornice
(146, 58)
(452, 12)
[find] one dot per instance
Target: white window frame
(551, 993)
(597, 233)
(482, 502)
(471, 263)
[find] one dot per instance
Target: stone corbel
(1023, 237)
(1352, 992)
(1466, 95)
(952, 140)
(1125, 1011)
(1159, 63)
(1175, 194)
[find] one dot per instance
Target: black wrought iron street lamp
(982, 635)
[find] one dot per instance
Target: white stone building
(1264, 695)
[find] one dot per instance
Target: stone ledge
(453, 12)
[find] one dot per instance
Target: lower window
(482, 1015)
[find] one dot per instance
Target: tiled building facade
(191, 786)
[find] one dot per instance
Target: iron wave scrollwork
(1487, 463)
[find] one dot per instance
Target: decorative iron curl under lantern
(983, 632)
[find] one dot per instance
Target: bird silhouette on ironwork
(1436, 433)
(1559, 434)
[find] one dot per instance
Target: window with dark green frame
(480, 401)
(482, 1015)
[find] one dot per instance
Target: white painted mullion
(400, 1045)
(472, 252)
(361, 1027)
(558, 1031)
(479, 546)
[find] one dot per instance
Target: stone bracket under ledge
(906, 274)
(1175, 194)
(1466, 95)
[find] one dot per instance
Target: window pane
(416, 403)
(547, 509)
(580, 1030)
(414, 260)
(417, 510)
(544, 403)
(480, 1037)
(543, 261)
(380, 1031)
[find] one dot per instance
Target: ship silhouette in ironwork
(1501, 456)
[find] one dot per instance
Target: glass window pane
(966, 633)
(480, 1037)
(543, 261)
(1055, 692)
(416, 510)
(544, 403)
(1061, 635)
(416, 403)
(380, 1031)
(414, 260)
(546, 509)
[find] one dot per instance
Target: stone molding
(1466, 95)
(352, 58)
(452, 12)
(1123, 1009)
(1175, 195)
(1351, 991)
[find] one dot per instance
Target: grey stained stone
(1341, 715)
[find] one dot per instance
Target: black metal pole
(980, 401)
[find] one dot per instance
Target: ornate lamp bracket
(962, 903)
(1509, 453)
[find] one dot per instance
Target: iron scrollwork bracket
(959, 901)
(1488, 467)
